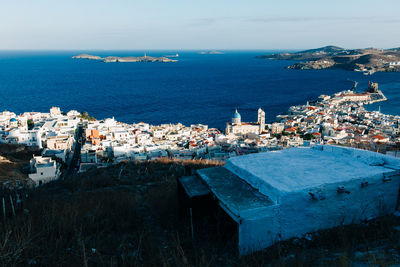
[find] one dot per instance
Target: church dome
(13, 120)
(236, 115)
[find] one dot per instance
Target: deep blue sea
(197, 89)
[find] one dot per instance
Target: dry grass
(104, 217)
(13, 158)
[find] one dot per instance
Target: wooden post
(18, 201)
(119, 176)
(191, 223)
(12, 205)
(85, 263)
(4, 210)
(218, 220)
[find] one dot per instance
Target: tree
(85, 116)
(308, 136)
(31, 124)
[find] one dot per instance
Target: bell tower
(261, 119)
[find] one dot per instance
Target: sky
(205, 24)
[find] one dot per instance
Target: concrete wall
(259, 233)
(298, 213)
(301, 214)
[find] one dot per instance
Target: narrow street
(73, 167)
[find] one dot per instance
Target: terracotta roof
(290, 129)
(379, 137)
(250, 123)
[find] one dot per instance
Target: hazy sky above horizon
(206, 24)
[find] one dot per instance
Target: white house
(55, 111)
(43, 170)
(279, 195)
(28, 138)
(88, 155)
(73, 113)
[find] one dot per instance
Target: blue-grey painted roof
(240, 198)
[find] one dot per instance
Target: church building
(237, 127)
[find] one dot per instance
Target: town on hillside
(79, 142)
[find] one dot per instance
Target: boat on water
(370, 72)
(176, 55)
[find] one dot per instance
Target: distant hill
(325, 49)
(367, 60)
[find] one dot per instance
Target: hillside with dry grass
(13, 160)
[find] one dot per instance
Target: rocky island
(368, 60)
(125, 59)
(213, 52)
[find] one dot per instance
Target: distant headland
(125, 59)
(368, 60)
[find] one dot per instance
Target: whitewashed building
(43, 170)
(24, 137)
(279, 195)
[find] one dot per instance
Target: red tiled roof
(290, 129)
(379, 137)
(250, 123)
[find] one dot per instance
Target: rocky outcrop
(125, 59)
(87, 56)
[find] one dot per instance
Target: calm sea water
(197, 89)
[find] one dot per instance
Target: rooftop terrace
(297, 169)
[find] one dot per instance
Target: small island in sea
(368, 60)
(213, 52)
(144, 58)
